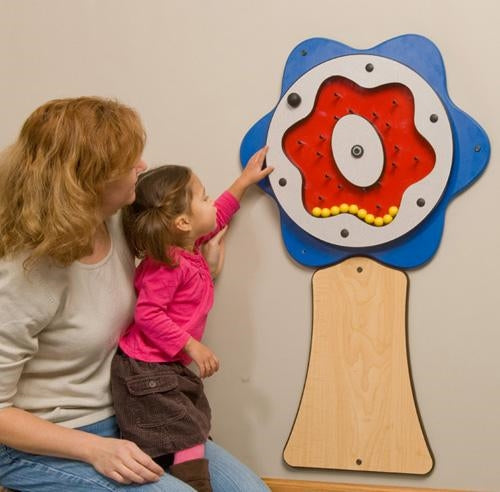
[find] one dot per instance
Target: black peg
(294, 100)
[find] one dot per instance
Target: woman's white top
(59, 329)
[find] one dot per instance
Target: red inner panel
(408, 156)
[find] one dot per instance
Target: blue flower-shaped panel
(368, 151)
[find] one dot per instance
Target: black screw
(434, 118)
(303, 52)
(420, 202)
(359, 269)
(357, 151)
(294, 100)
(344, 233)
(282, 182)
(369, 67)
(477, 148)
(359, 461)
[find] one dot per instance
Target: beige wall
(201, 73)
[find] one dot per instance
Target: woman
(65, 294)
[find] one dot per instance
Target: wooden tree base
(357, 410)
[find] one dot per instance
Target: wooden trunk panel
(357, 410)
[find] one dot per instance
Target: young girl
(159, 402)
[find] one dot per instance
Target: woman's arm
(117, 459)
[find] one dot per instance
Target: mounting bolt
(282, 182)
(369, 67)
(420, 202)
(294, 100)
(344, 233)
(357, 151)
(434, 118)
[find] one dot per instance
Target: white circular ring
(430, 188)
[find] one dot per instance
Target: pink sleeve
(151, 312)
(227, 205)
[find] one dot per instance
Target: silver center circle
(357, 150)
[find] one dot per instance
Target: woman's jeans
(28, 472)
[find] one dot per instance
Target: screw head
(282, 182)
(294, 100)
(344, 233)
(369, 67)
(357, 151)
(434, 118)
(420, 202)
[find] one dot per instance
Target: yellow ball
(335, 210)
(387, 219)
(325, 212)
(362, 213)
(344, 208)
(369, 218)
(379, 221)
(393, 211)
(353, 209)
(316, 211)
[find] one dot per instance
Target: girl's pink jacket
(173, 303)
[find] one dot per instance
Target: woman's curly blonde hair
(52, 177)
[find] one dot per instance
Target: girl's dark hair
(162, 194)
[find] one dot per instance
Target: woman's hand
(253, 173)
(204, 358)
(213, 251)
(123, 461)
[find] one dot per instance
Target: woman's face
(121, 191)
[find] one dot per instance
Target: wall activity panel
(368, 150)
